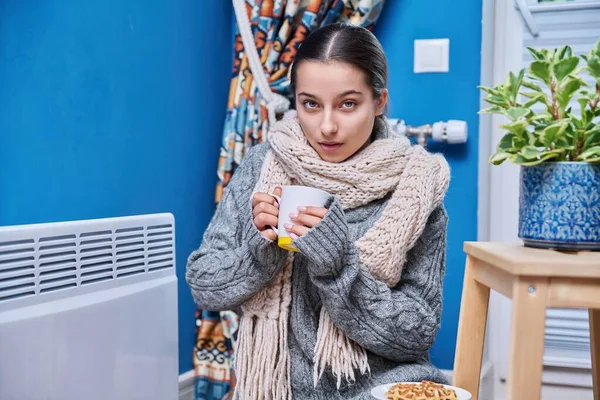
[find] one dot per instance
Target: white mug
(291, 198)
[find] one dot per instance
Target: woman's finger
(266, 208)
(314, 211)
(259, 197)
(297, 230)
(269, 234)
(264, 220)
(305, 219)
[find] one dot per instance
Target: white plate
(380, 391)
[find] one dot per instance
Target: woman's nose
(328, 124)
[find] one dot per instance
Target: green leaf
(567, 111)
(593, 66)
(592, 128)
(555, 154)
(532, 139)
(506, 142)
(520, 160)
(492, 110)
(493, 91)
(583, 102)
(596, 48)
(537, 99)
(540, 70)
(552, 132)
(591, 141)
(570, 131)
(591, 153)
(498, 100)
(530, 95)
(565, 52)
(564, 67)
(498, 157)
(592, 137)
(577, 122)
(545, 156)
(532, 86)
(515, 113)
(530, 152)
(514, 83)
(519, 142)
(542, 116)
(567, 89)
(516, 127)
(519, 82)
(588, 116)
(537, 54)
(564, 143)
(517, 159)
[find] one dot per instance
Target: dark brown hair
(349, 44)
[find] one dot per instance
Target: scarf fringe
(336, 350)
(262, 362)
(241, 362)
(264, 374)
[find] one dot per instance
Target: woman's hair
(348, 44)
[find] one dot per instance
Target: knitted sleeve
(234, 261)
(398, 323)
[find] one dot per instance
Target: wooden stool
(535, 279)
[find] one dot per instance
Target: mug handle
(278, 199)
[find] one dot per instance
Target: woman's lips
(330, 146)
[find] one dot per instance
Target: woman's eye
(348, 105)
(310, 104)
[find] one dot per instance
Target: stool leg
(471, 331)
(527, 338)
(595, 346)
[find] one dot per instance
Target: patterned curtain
(278, 27)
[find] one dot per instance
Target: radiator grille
(43, 258)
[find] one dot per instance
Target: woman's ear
(382, 102)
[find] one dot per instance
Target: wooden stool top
(519, 260)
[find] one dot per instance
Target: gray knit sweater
(396, 326)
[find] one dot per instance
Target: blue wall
(111, 108)
(427, 98)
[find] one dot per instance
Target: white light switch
(432, 55)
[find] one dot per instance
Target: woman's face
(336, 108)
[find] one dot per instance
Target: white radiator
(88, 310)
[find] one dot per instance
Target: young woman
(359, 305)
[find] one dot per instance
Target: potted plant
(553, 134)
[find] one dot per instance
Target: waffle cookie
(425, 390)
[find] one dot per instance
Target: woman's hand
(305, 219)
(265, 211)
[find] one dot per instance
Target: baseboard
(186, 385)
(575, 377)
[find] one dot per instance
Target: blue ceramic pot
(559, 206)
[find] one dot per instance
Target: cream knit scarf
(418, 182)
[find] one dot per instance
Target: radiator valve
(451, 132)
